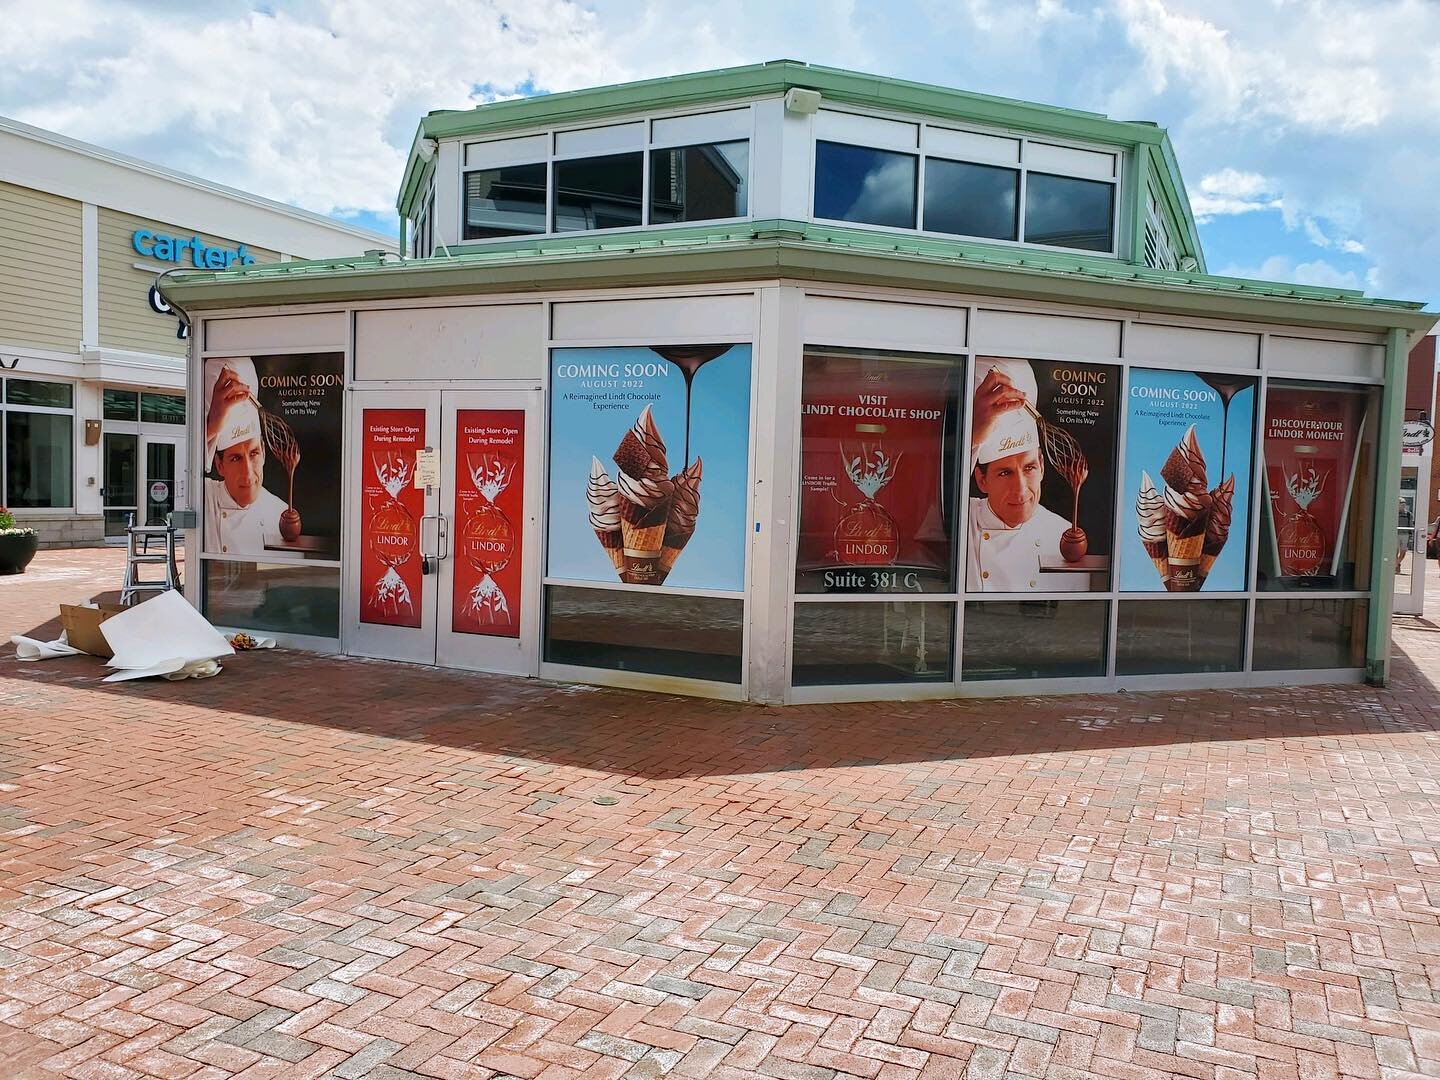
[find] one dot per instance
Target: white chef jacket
(240, 530)
(1001, 559)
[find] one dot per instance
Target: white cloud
(1284, 269)
(1320, 110)
(1231, 191)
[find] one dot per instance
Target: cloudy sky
(1306, 129)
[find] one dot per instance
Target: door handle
(442, 533)
(429, 559)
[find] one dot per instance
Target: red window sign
(489, 521)
(390, 517)
(1311, 439)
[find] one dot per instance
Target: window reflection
(699, 183)
(1311, 632)
(854, 183)
(502, 202)
(694, 637)
(1034, 639)
(879, 642)
(598, 193)
(1067, 212)
(1157, 637)
(970, 200)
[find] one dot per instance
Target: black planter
(16, 551)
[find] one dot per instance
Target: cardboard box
(82, 627)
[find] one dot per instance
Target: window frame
(46, 410)
(1022, 163)
(644, 145)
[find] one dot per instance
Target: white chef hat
(242, 419)
(1015, 432)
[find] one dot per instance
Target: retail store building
(92, 364)
(790, 384)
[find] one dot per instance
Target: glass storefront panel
(39, 460)
(599, 193)
(971, 200)
(1034, 639)
(699, 183)
(1185, 507)
(47, 395)
(1161, 637)
(121, 404)
(879, 437)
(1308, 632)
(277, 599)
(121, 493)
(505, 202)
(1042, 476)
(693, 637)
(1319, 494)
(162, 408)
(873, 642)
(874, 187)
(1067, 212)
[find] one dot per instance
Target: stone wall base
(64, 530)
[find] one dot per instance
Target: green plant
(8, 526)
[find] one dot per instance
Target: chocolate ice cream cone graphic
(684, 511)
(1150, 512)
(1217, 529)
(1185, 519)
(604, 499)
(645, 494)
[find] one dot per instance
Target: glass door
(161, 485)
(120, 497)
(394, 539)
(489, 605)
(1412, 529)
(443, 537)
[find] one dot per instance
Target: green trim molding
(1387, 494)
(801, 251)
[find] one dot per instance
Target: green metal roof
(766, 250)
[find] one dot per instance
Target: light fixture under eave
(802, 102)
(426, 148)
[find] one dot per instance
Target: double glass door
(140, 479)
(443, 533)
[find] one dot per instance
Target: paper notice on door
(427, 467)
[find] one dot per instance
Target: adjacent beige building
(92, 361)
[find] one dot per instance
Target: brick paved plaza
(310, 867)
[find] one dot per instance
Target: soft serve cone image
(604, 499)
(645, 493)
(1150, 512)
(684, 511)
(1184, 469)
(1187, 513)
(1217, 529)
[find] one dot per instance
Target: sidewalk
(311, 866)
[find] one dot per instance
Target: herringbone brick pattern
(312, 867)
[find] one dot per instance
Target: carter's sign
(168, 248)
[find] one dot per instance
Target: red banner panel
(390, 516)
(873, 512)
(489, 521)
(1311, 440)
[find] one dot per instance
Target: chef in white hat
(1011, 534)
(241, 517)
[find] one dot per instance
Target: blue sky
(1305, 128)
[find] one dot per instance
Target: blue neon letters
(168, 248)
